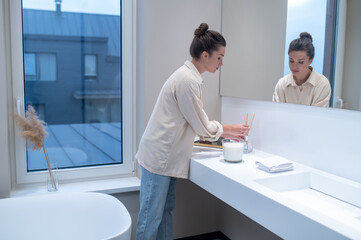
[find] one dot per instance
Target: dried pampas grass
(33, 130)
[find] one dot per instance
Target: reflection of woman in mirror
(303, 85)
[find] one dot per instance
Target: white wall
(256, 33)
(168, 32)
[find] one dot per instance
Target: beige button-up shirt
(316, 91)
(178, 116)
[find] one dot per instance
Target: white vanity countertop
(296, 204)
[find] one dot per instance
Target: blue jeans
(157, 197)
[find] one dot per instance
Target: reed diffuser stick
(251, 122)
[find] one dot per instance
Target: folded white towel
(274, 164)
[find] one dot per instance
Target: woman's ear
(310, 61)
(205, 54)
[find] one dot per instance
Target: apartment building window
(30, 66)
(40, 66)
(87, 121)
(90, 67)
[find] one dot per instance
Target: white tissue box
(274, 164)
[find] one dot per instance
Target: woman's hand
(235, 131)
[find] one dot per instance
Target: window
(319, 18)
(40, 66)
(307, 16)
(87, 121)
(90, 67)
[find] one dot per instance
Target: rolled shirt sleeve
(190, 104)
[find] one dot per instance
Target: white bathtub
(88, 216)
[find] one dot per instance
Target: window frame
(329, 59)
(125, 169)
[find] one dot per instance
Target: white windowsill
(109, 186)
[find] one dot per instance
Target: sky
(111, 7)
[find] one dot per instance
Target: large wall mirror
(256, 43)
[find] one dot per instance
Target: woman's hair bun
(201, 30)
(305, 35)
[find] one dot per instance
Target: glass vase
(52, 180)
(248, 146)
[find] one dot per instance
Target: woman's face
(214, 61)
(299, 62)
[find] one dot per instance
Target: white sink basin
(332, 196)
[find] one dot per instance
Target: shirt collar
(194, 70)
(311, 79)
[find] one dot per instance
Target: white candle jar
(232, 150)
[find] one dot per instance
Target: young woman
(166, 146)
(303, 85)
